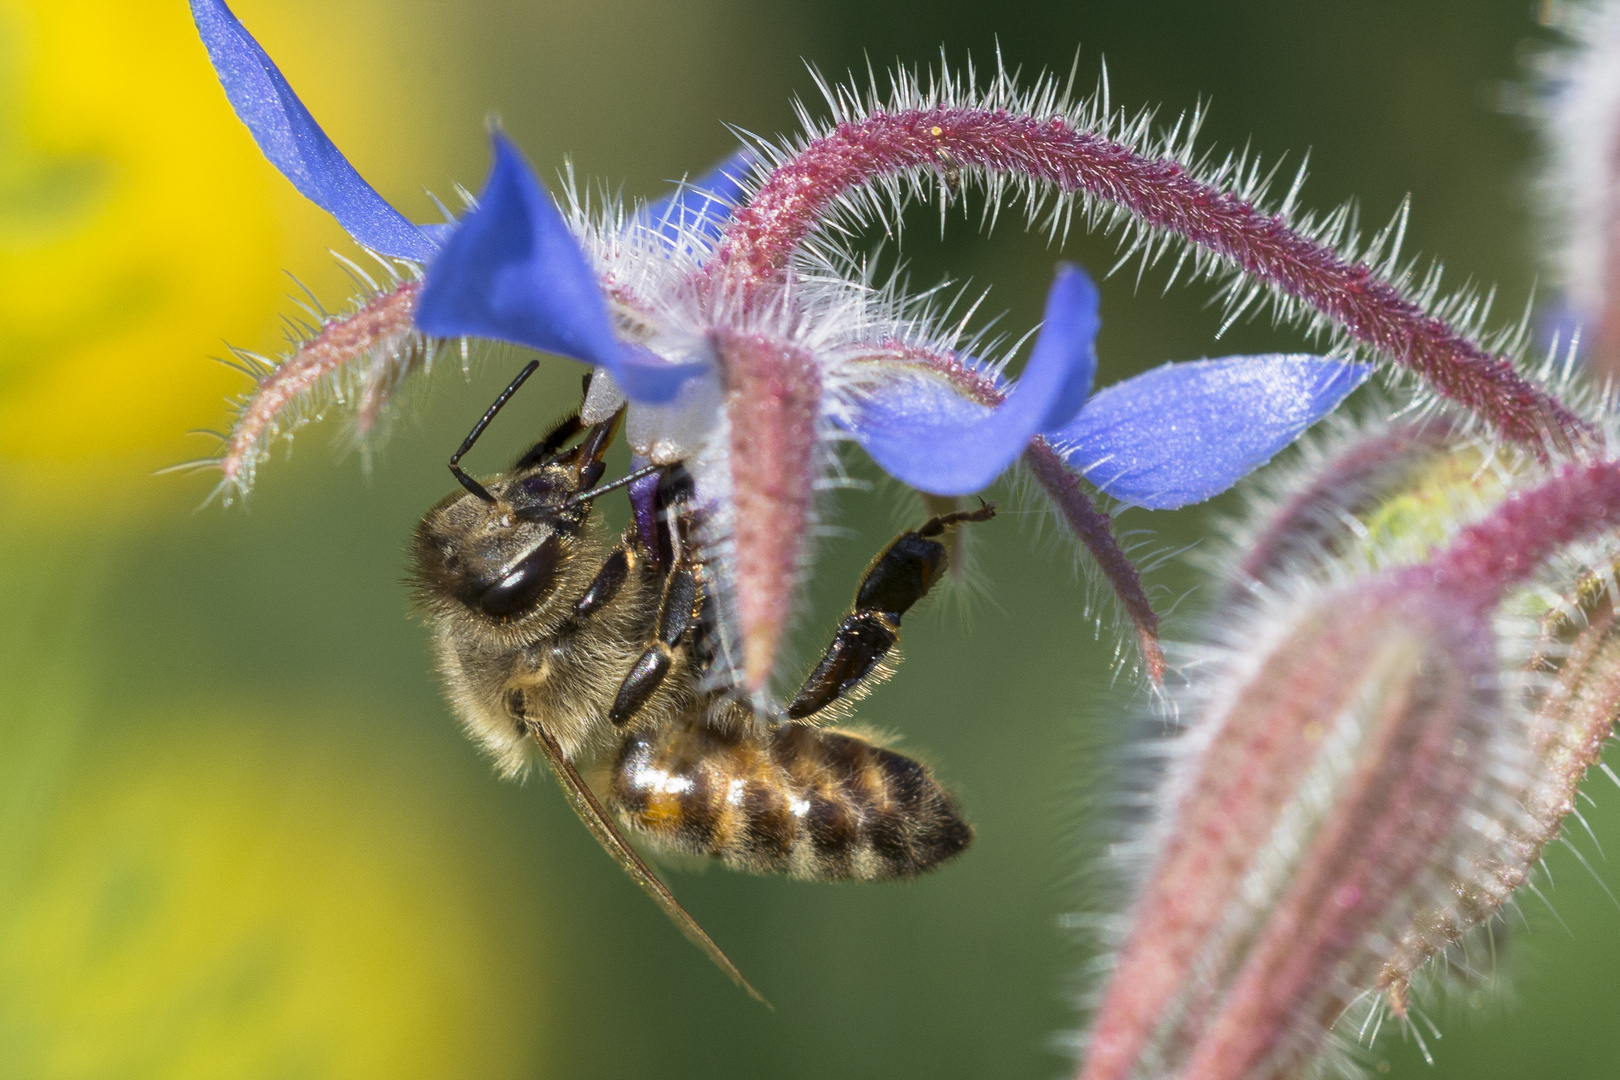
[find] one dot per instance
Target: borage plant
(1390, 710)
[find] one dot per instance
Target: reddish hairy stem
(1096, 531)
(339, 342)
(763, 234)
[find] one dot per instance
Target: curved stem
(1160, 193)
(1096, 531)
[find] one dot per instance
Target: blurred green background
(240, 835)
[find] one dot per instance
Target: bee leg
(677, 610)
(553, 441)
(671, 485)
(682, 604)
(670, 498)
(592, 449)
(900, 576)
(558, 437)
(605, 585)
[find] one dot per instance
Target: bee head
(499, 551)
(502, 559)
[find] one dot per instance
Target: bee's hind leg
(900, 576)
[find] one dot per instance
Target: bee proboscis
(596, 656)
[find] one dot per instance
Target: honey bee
(596, 656)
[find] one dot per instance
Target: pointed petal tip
(294, 143)
(514, 271)
(759, 658)
(764, 599)
(928, 434)
(1152, 654)
(1182, 433)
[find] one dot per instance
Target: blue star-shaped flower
(747, 395)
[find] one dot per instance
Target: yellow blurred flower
(139, 225)
(214, 905)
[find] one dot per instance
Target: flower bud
(1568, 716)
(1417, 665)
(1304, 523)
(1324, 783)
(1580, 114)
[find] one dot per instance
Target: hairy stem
(1160, 193)
(1096, 531)
(341, 341)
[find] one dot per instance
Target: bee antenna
(478, 429)
(623, 481)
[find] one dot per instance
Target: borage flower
(747, 344)
(748, 398)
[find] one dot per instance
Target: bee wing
(595, 817)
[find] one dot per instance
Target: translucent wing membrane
(607, 834)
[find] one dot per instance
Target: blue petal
(926, 434)
(513, 271)
(1182, 433)
(703, 204)
(295, 143)
(438, 232)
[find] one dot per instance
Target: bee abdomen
(807, 801)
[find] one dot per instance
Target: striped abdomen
(811, 802)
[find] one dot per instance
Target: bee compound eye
(526, 584)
